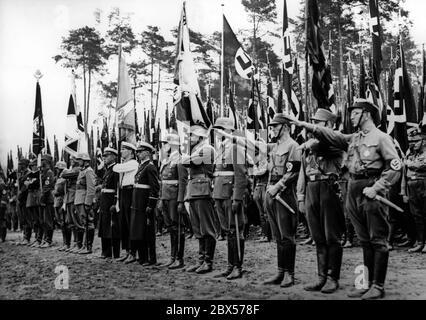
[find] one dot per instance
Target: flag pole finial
(38, 75)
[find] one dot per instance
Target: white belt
(142, 186)
(223, 174)
(170, 181)
(108, 191)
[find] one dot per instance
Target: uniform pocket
(199, 187)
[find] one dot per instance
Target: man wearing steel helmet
(46, 200)
(173, 177)
(230, 183)
(199, 194)
(318, 198)
(374, 166)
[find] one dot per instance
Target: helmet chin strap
(275, 139)
(359, 120)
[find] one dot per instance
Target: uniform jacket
(127, 171)
(416, 163)
(318, 160)
(85, 188)
(48, 181)
(284, 162)
(366, 152)
(70, 176)
(23, 189)
(171, 169)
(33, 185)
(108, 223)
(200, 165)
(142, 198)
(59, 192)
(231, 158)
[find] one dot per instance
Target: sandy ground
(28, 273)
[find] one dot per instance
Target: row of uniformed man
(295, 178)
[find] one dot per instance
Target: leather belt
(223, 174)
(170, 181)
(318, 177)
(142, 186)
(195, 176)
(416, 178)
(129, 186)
(108, 191)
(363, 176)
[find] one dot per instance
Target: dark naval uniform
(199, 195)
(372, 161)
(230, 184)
(71, 176)
(318, 188)
(173, 177)
(416, 185)
(142, 217)
(109, 224)
(46, 202)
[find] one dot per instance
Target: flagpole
(306, 62)
(222, 56)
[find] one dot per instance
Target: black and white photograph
(224, 152)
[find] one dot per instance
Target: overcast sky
(31, 32)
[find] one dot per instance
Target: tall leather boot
(289, 252)
(368, 257)
(180, 252)
(173, 248)
(238, 261)
(68, 233)
(280, 261)
(381, 257)
(90, 236)
(322, 258)
(210, 248)
(420, 243)
(335, 253)
(201, 254)
(231, 257)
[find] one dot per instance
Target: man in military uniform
(71, 175)
(84, 194)
(260, 181)
(283, 166)
(127, 171)
(374, 166)
(317, 195)
(3, 207)
(22, 195)
(58, 204)
(199, 194)
(230, 183)
(33, 204)
(109, 225)
(416, 183)
(144, 200)
(173, 182)
(46, 200)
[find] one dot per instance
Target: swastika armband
(395, 164)
(293, 166)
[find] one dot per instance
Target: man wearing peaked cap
(23, 171)
(283, 166)
(324, 115)
(374, 166)
(84, 195)
(173, 181)
(33, 203)
(109, 225)
(128, 145)
(144, 200)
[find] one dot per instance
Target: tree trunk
(84, 99)
(88, 96)
(254, 41)
(152, 83)
(340, 62)
(158, 92)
